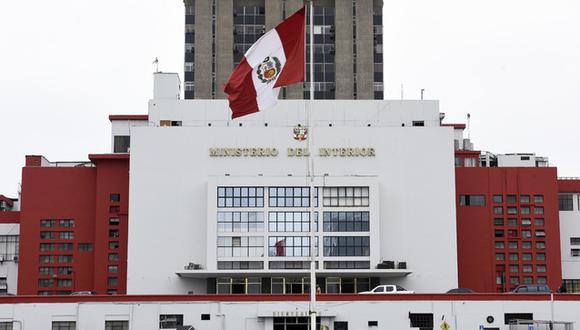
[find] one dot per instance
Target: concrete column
(296, 91)
(203, 51)
(343, 43)
(224, 44)
(364, 47)
(273, 9)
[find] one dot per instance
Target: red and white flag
(275, 60)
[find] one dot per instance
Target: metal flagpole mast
(313, 287)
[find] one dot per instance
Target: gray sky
(514, 65)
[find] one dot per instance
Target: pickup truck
(388, 289)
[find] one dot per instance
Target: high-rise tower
(348, 50)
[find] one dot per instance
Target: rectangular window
(46, 271)
(6, 325)
(65, 259)
(65, 246)
(508, 317)
(575, 252)
(541, 268)
(47, 259)
(240, 222)
(116, 325)
(114, 221)
(497, 199)
(63, 325)
(472, 200)
(113, 269)
(346, 246)
(289, 221)
(566, 202)
(540, 233)
(421, 320)
(347, 264)
(512, 222)
(526, 256)
(113, 257)
(65, 270)
(526, 234)
(498, 221)
(290, 246)
(345, 196)
(85, 247)
(526, 222)
(240, 246)
(47, 223)
(525, 210)
(47, 235)
(113, 281)
(67, 235)
(113, 233)
(498, 210)
(499, 245)
(499, 256)
(67, 223)
(540, 245)
(45, 247)
(511, 199)
(538, 199)
(240, 197)
(417, 123)
(574, 240)
(513, 256)
(170, 321)
(539, 221)
(345, 221)
(514, 280)
(514, 268)
(241, 265)
(540, 256)
(538, 210)
(526, 245)
(527, 268)
(524, 199)
(64, 283)
(121, 144)
(513, 245)
(289, 196)
(115, 197)
(499, 233)
(512, 210)
(113, 245)
(44, 283)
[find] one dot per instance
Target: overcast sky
(66, 65)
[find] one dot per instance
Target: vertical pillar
(203, 49)
(344, 49)
(224, 44)
(364, 45)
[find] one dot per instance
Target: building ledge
(202, 273)
(128, 117)
(94, 157)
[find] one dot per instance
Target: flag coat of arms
(275, 60)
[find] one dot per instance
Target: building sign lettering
(291, 152)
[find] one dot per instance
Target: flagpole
(313, 287)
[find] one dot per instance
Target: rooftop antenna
(468, 126)
(422, 91)
(156, 63)
(402, 93)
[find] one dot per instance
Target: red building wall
(479, 268)
(80, 194)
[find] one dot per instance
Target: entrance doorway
(294, 323)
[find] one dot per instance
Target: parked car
(532, 288)
(387, 289)
(461, 290)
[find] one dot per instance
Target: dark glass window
(342, 246)
(345, 221)
(170, 321)
(121, 143)
(472, 200)
(240, 197)
(289, 196)
(566, 202)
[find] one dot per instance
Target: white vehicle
(387, 289)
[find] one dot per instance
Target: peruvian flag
(275, 60)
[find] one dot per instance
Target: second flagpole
(313, 286)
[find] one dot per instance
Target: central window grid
(240, 197)
(290, 221)
(345, 221)
(345, 196)
(9, 246)
(324, 54)
(289, 197)
(249, 26)
(346, 246)
(240, 222)
(244, 246)
(290, 246)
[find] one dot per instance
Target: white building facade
(225, 206)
